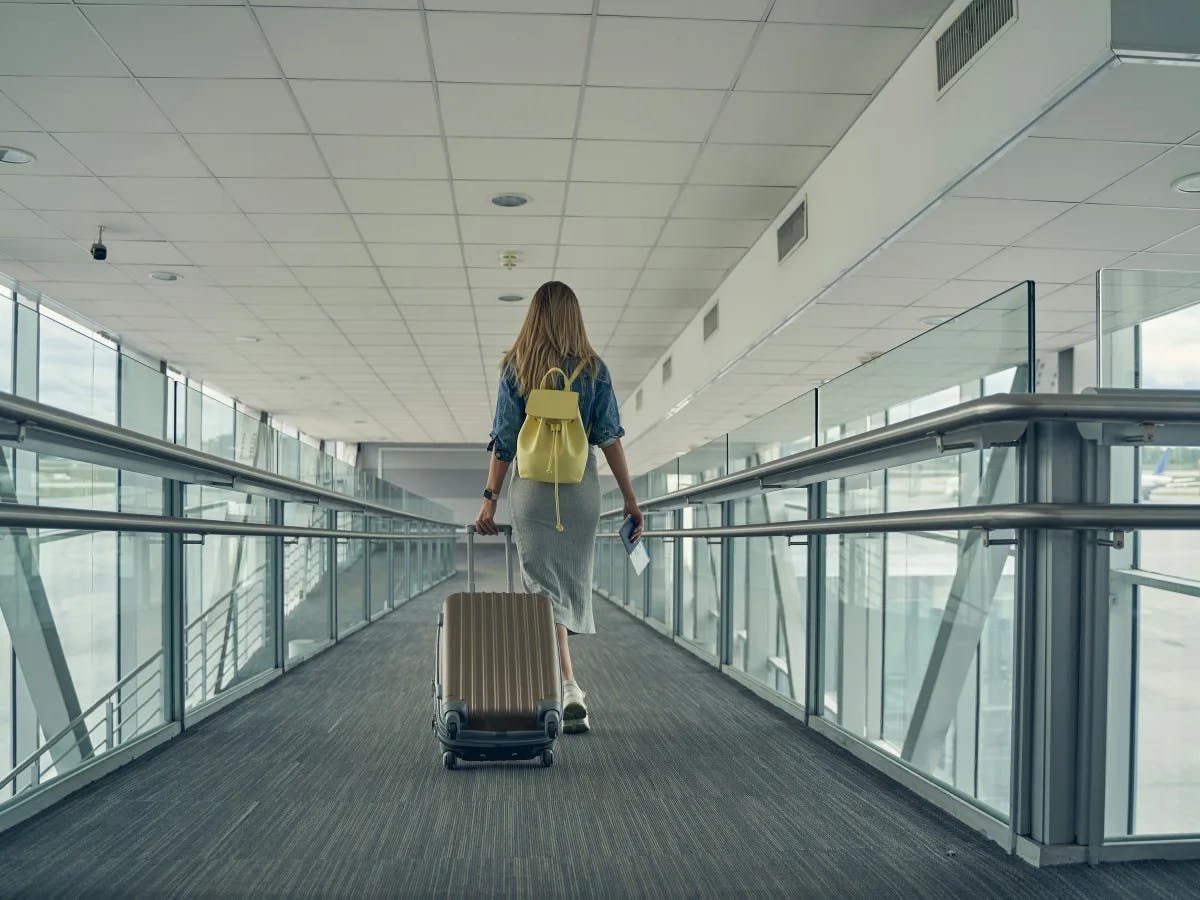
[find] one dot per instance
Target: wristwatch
(491, 495)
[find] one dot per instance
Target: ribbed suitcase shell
(500, 657)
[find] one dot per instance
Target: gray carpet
(328, 783)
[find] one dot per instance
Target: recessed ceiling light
(166, 276)
(16, 156)
(247, 339)
(511, 298)
(932, 321)
(510, 201)
(1188, 184)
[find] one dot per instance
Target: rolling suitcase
(497, 686)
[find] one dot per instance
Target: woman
(557, 563)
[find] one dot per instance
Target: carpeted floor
(328, 783)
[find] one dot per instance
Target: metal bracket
(794, 541)
(13, 431)
(1116, 541)
(939, 441)
(290, 541)
(198, 539)
(989, 541)
(713, 541)
(1146, 437)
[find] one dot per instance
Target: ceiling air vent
(792, 233)
(970, 33)
(712, 321)
(666, 370)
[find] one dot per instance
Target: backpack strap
(575, 374)
(551, 371)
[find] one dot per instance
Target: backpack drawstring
(555, 432)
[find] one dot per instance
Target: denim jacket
(597, 409)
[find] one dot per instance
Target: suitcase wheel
(547, 757)
(450, 761)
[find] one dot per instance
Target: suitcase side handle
(506, 530)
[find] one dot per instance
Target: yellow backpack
(552, 445)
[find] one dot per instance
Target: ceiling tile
(53, 158)
(893, 13)
(406, 297)
(83, 271)
(1129, 103)
(509, 110)
(38, 250)
(749, 165)
(1151, 184)
(13, 118)
(227, 105)
(668, 53)
(313, 43)
(301, 227)
(53, 192)
(321, 254)
(286, 296)
(694, 257)
(602, 257)
(428, 255)
(680, 279)
(407, 229)
(367, 107)
(337, 277)
(581, 7)
(384, 157)
(229, 253)
(484, 255)
(400, 197)
(180, 41)
(52, 40)
(960, 295)
(825, 58)
(647, 114)
(690, 299)
(259, 155)
(475, 197)
(499, 229)
(515, 49)
(747, 10)
(1185, 243)
(181, 195)
(284, 195)
(970, 220)
(59, 104)
(597, 279)
(707, 201)
(148, 155)
(1093, 227)
(81, 226)
(779, 118)
(204, 226)
(487, 158)
(637, 200)
(917, 260)
(875, 291)
(633, 161)
(1172, 262)
(251, 276)
(19, 223)
(616, 231)
(711, 233)
(499, 281)
(1053, 169)
(1059, 266)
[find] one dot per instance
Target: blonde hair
(553, 333)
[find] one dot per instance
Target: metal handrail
(36, 426)
(18, 515)
(929, 430)
(40, 751)
(999, 517)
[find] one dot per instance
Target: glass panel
(76, 373)
(351, 575)
(781, 432)
(704, 463)
(143, 398)
(400, 566)
(380, 568)
(230, 633)
(216, 427)
(7, 312)
(661, 569)
(700, 612)
(925, 373)
(306, 584)
(770, 595)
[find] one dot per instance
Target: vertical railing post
(814, 676)
(276, 561)
(174, 607)
(332, 543)
(108, 725)
(725, 591)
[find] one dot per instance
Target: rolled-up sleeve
(606, 418)
(510, 413)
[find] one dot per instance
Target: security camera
(99, 251)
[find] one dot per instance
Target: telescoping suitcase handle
(506, 530)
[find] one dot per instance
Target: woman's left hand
(485, 522)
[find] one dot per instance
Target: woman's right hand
(485, 522)
(632, 511)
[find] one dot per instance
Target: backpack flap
(552, 404)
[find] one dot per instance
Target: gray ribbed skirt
(556, 563)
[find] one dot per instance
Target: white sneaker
(575, 714)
